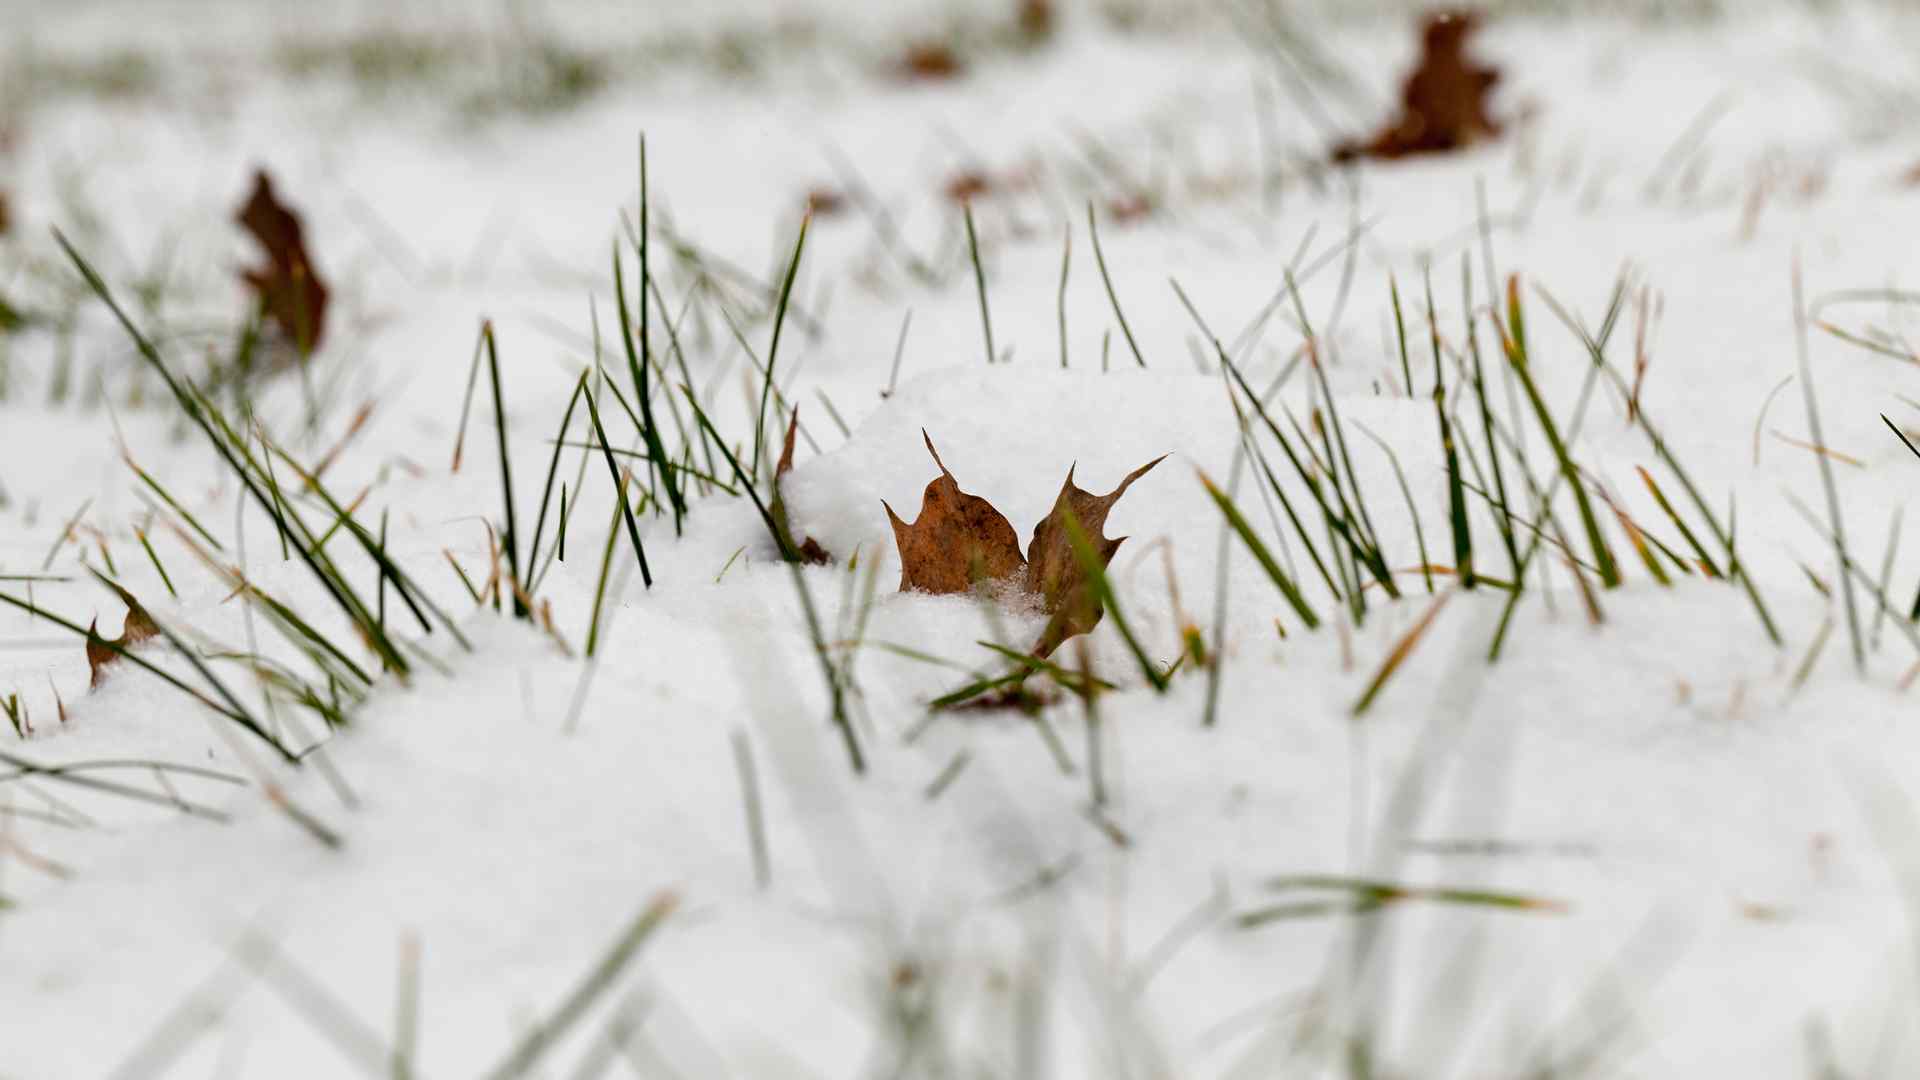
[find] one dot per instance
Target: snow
(1722, 826)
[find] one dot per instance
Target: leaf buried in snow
(102, 653)
(958, 539)
(1057, 574)
(1443, 104)
(809, 550)
(289, 289)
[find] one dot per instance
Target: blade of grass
(510, 539)
(1398, 655)
(1066, 263)
(1413, 511)
(620, 492)
(1461, 527)
(756, 819)
(1518, 360)
(1660, 499)
(595, 983)
(1400, 334)
(773, 349)
(899, 353)
(1850, 605)
(226, 443)
(147, 546)
(153, 484)
(1478, 384)
(553, 469)
(1724, 535)
(639, 363)
(466, 403)
(1100, 259)
(1235, 520)
(979, 280)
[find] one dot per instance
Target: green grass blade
(620, 491)
(773, 349)
(979, 280)
(1100, 259)
(1281, 581)
(511, 538)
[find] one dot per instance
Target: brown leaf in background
(289, 289)
(1126, 209)
(101, 653)
(1443, 105)
(1056, 575)
(809, 551)
(826, 202)
(958, 539)
(6, 216)
(1035, 19)
(965, 186)
(930, 62)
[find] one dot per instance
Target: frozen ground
(1648, 840)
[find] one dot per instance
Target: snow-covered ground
(1660, 835)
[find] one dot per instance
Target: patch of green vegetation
(114, 75)
(373, 61)
(540, 75)
(527, 72)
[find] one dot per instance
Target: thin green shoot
(1066, 264)
(979, 281)
(1281, 580)
(1399, 653)
(510, 540)
(773, 349)
(1100, 259)
(620, 489)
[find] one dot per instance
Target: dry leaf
(1055, 573)
(1129, 208)
(809, 550)
(289, 289)
(101, 653)
(1443, 105)
(958, 539)
(6, 215)
(930, 61)
(1035, 19)
(825, 202)
(965, 186)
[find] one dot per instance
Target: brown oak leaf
(958, 539)
(102, 652)
(809, 550)
(289, 289)
(1443, 104)
(1056, 574)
